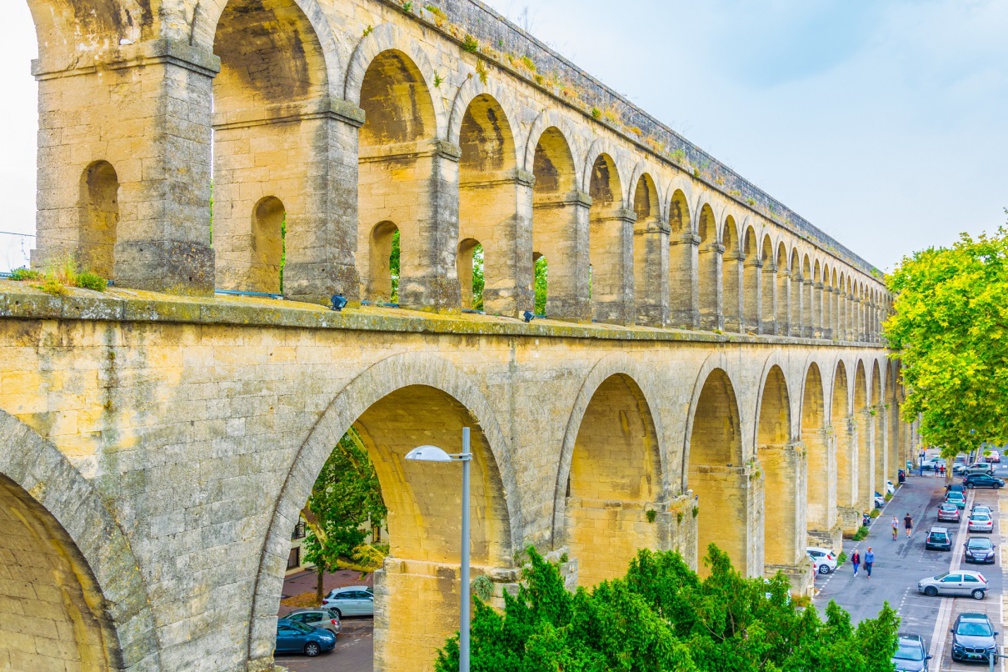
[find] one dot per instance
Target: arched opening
(610, 232)
(470, 267)
(717, 475)
(683, 287)
(650, 256)
(423, 500)
(796, 306)
(99, 218)
(783, 279)
(555, 230)
(540, 270)
(731, 276)
(879, 436)
(384, 254)
(821, 471)
(488, 210)
(55, 616)
(768, 291)
(396, 168)
(816, 301)
(269, 231)
(708, 271)
(830, 307)
(783, 480)
(614, 483)
(271, 63)
(752, 290)
(865, 453)
(805, 292)
(846, 450)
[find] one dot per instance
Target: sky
(885, 124)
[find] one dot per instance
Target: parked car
(948, 513)
(299, 638)
(983, 481)
(890, 488)
(957, 498)
(954, 583)
(326, 619)
(980, 522)
(979, 468)
(911, 654)
(979, 549)
(992, 457)
(932, 463)
(350, 601)
(823, 558)
(981, 508)
(938, 539)
(957, 487)
(974, 638)
(959, 468)
(879, 501)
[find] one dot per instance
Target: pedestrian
(908, 524)
(869, 559)
(856, 561)
(895, 527)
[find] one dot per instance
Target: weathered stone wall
(201, 426)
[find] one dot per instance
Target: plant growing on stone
(470, 44)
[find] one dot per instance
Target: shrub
(89, 280)
(861, 533)
(22, 274)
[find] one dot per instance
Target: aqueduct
(709, 367)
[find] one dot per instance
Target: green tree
(541, 281)
(478, 281)
(394, 267)
(346, 498)
(661, 617)
(949, 329)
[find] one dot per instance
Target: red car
(948, 513)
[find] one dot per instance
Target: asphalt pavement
(900, 564)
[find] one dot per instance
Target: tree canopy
(661, 617)
(948, 330)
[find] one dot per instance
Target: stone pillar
(783, 302)
(732, 290)
(752, 288)
(730, 504)
(684, 293)
(785, 479)
(560, 232)
(818, 321)
(651, 272)
(496, 211)
(798, 308)
(140, 123)
(848, 486)
(768, 300)
(866, 459)
(822, 485)
(829, 314)
(612, 265)
(305, 159)
(809, 308)
(711, 287)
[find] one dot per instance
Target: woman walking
(856, 561)
(869, 560)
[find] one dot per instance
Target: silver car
(955, 583)
(350, 601)
(327, 619)
(980, 522)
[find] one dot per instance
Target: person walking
(869, 560)
(908, 524)
(895, 527)
(856, 561)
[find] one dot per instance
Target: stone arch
(614, 478)
(67, 30)
(546, 120)
(713, 468)
(378, 284)
(768, 286)
(383, 391)
(865, 452)
(749, 283)
(783, 533)
(679, 213)
(682, 256)
(609, 225)
(389, 37)
(731, 276)
(266, 250)
(557, 208)
(783, 308)
(99, 218)
(488, 198)
(709, 285)
(473, 89)
(79, 540)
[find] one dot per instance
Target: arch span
(81, 561)
(380, 403)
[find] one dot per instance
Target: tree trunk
(318, 585)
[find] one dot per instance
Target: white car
(890, 488)
(350, 601)
(823, 558)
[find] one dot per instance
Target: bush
(89, 280)
(22, 274)
(662, 616)
(842, 558)
(875, 513)
(861, 533)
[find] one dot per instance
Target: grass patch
(875, 513)
(842, 558)
(59, 276)
(307, 600)
(802, 601)
(862, 533)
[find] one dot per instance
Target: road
(353, 652)
(900, 564)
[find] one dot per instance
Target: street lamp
(435, 454)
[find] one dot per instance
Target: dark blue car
(299, 638)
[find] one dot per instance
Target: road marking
(945, 611)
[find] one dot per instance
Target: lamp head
(338, 301)
(428, 454)
(528, 316)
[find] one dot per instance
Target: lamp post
(435, 454)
